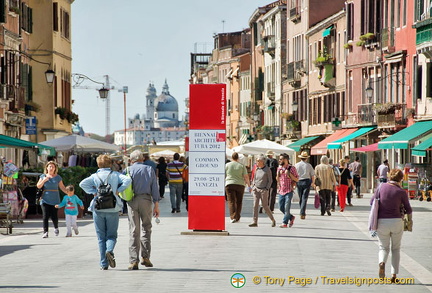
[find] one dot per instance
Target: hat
(303, 155)
(269, 153)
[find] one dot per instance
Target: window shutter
(55, 17)
(30, 20)
(3, 11)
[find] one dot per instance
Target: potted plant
(323, 58)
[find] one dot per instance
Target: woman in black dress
(161, 175)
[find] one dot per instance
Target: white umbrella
(261, 147)
(80, 143)
(164, 153)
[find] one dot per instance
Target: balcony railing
(294, 15)
(269, 44)
(393, 119)
(271, 90)
(295, 70)
(366, 115)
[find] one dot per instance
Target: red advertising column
(207, 138)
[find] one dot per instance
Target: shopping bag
(317, 202)
(296, 197)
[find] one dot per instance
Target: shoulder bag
(128, 193)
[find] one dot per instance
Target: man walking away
(146, 192)
(356, 168)
(306, 178)
(174, 174)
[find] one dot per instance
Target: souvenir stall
(417, 181)
(13, 204)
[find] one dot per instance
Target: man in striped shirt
(174, 174)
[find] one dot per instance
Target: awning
(327, 31)
(299, 143)
(11, 142)
(321, 147)
(367, 148)
(243, 138)
(401, 139)
(337, 144)
(271, 107)
(425, 143)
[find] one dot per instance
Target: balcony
(294, 15)
(270, 45)
(366, 115)
(387, 40)
(295, 70)
(391, 115)
(271, 91)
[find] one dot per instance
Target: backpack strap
(106, 180)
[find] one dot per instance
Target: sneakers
(234, 221)
(56, 232)
(381, 271)
(103, 268)
(283, 225)
(253, 225)
(133, 266)
(173, 211)
(291, 222)
(110, 258)
(274, 223)
(146, 262)
(76, 231)
(45, 235)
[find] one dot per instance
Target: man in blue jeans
(306, 175)
(174, 174)
(286, 176)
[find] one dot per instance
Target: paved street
(315, 248)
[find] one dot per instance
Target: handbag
(128, 193)
(317, 181)
(408, 222)
(373, 215)
(39, 192)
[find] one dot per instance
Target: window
(64, 24)
(404, 21)
(26, 18)
(55, 17)
(350, 21)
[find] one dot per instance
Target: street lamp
(103, 93)
(369, 93)
(49, 75)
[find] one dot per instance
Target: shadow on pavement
(304, 237)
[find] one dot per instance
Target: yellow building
(51, 49)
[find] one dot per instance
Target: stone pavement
(319, 249)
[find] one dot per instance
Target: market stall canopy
(11, 142)
(367, 148)
(80, 143)
(164, 153)
(337, 144)
(297, 145)
(401, 139)
(259, 147)
(321, 147)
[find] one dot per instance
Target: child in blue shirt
(71, 202)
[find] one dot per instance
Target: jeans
(285, 206)
(303, 188)
(176, 190)
(49, 211)
(106, 225)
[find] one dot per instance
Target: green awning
(327, 31)
(271, 107)
(337, 144)
(11, 142)
(421, 149)
(401, 139)
(299, 143)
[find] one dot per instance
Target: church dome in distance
(165, 102)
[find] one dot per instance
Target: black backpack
(105, 198)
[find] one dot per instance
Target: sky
(136, 42)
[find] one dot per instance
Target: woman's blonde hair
(342, 162)
(396, 175)
(104, 161)
(55, 167)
